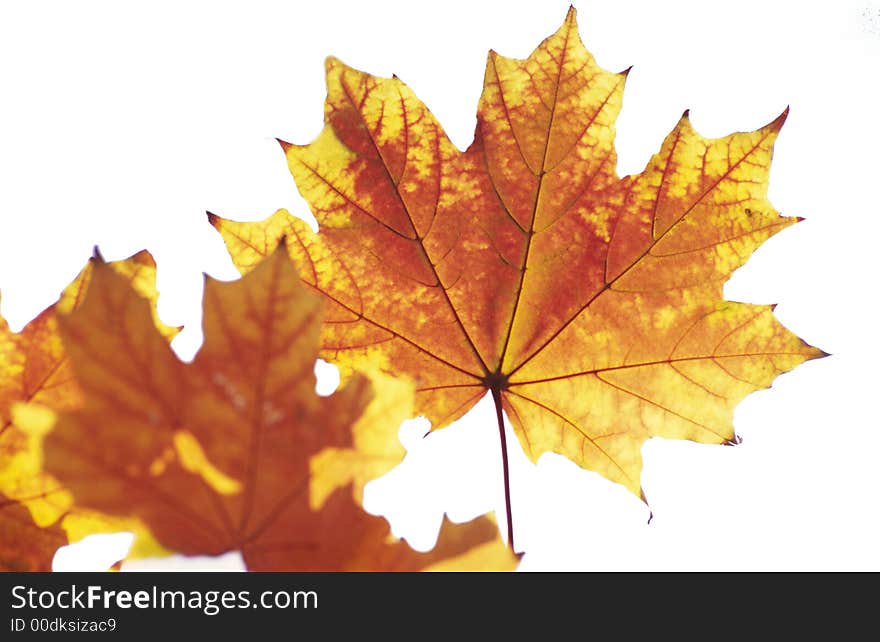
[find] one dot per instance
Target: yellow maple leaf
(589, 306)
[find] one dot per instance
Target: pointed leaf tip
(777, 123)
(331, 62)
(284, 144)
(213, 219)
(736, 440)
(97, 257)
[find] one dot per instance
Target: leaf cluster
(588, 306)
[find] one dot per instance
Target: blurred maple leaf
(589, 306)
(235, 451)
(35, 382)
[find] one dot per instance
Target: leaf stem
(496, 397)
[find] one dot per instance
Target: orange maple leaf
(217, 455)
(589, 306)
(36, 381)
(34, 364)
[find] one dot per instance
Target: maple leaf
(590, 306)
(36, 379)
(217, 455)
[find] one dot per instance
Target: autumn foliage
(589, 307)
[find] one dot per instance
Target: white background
(122, 122)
